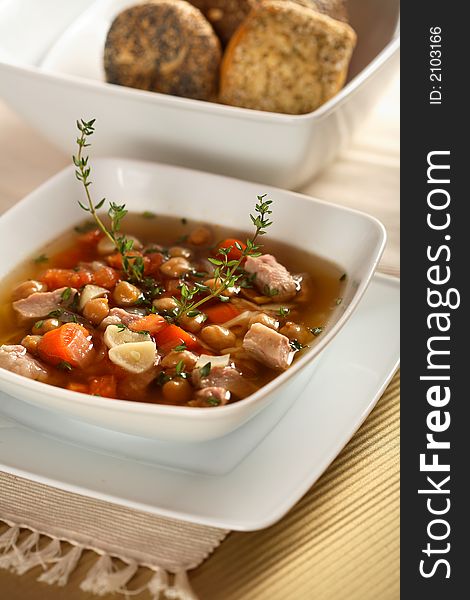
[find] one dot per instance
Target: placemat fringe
(65, 565)
(106, 576)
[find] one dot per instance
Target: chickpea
(175, 267)
(42, 327)
(218, 337)
(200, 236)
(30, 342)
(180, 251)
(173, 358)
(297, 332)
(192, 324)
(264, 319)
(126, 294)
(25, 289)
(106, 246)
(177, 391)
(96, 310)
(162, 304)
(229, 292)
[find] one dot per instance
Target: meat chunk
(17, 360)
(40, 304)
(228, 378)
(272, 278)
(118, 316)
(268, 347)
(211, 396)
(133, 385)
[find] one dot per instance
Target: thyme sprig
(227, 272)
(132, 265)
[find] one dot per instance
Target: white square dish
(349, 238)
(283, 150)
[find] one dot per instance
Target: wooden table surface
(365, 177)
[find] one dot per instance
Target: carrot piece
(90, 238)
(67, 259)
(234, 253)
(76, 386)
(104, 386)
(151, 323)
(57, 278)
(172, 335)
(70, 343)
(106, 277)
(115, 260)
(221, 313)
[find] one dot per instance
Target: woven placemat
(341, 541)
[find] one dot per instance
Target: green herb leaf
(216, 261)
(296, 345)
(205, 370)
(86, 227)
(38, 324)
(66, 294)
(315, 330)
(270, 292)
(283, 311)
(41, 259)
(338, 301)
(162, 378)
(55, 314)
(65, 366)
(147, 214)
(180, 348)
(212, 401)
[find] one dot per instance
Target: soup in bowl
(193, 326)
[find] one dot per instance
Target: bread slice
(337, 9)
(164, 46)
(286, 58)
(225, 16)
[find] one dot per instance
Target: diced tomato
(172, 335)
(152, 263)
(234, 253)
(76, 386)
(70, 344)
(90, 238)
(104, 386)
(151, 323)
(106, 277)
(221, 313)
(57, 278)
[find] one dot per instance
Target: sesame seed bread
(164, 46)
(285, 58)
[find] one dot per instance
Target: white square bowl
(351, 239)
(282, 150)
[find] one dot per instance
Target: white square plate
(350, 378)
